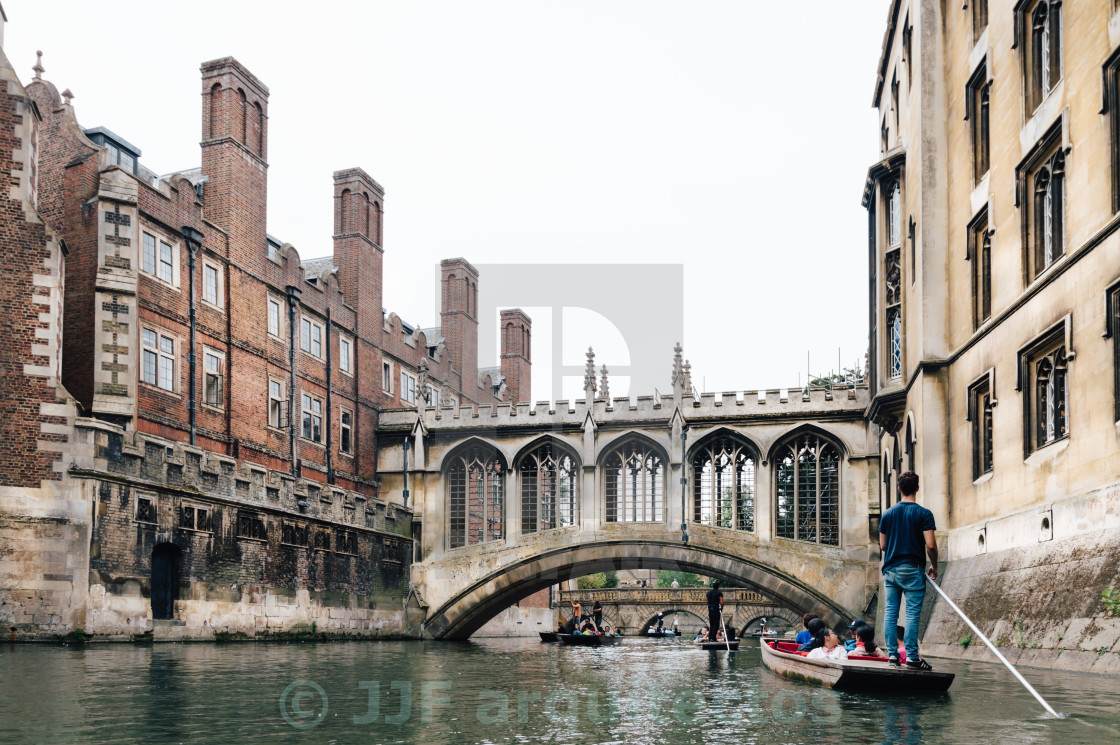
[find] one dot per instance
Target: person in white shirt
(830, 648)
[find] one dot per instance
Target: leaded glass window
(1050, 397)
(807, 477)
(548, 489)
(476, 484)
(723, 484)
(634, 485)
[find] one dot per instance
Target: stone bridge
(774, 489)
(634, 610)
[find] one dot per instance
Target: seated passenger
(853, 631)
(806, 635)
(702, 636)
(829, 647)
(865, 644)
(816, 626)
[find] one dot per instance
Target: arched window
(365, 214)
(549, 490)
(808, 490)
(635, 484)
(244, 114)
(1049, 202)
(375, 236)
(892, 290)
(1050, 397)
(215, 109)
(260, 129)
(723, 484)
(909, 445)
(476, 489)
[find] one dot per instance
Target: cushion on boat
(866, 658)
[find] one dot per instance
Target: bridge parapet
(759, 403)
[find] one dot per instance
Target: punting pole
(991, 646)
(724, 627)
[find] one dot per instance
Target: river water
(507, 691)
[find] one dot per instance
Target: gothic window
(895, 104)
(807, 476)
(1050, 397)
(1114, 332)
(1112, 108)
(909, 445)
(979, 113)
(908, 52)
(548, 489)
(1049, 207)
(980, 415)
(1042, 21)
(476, 484)
(893, 280)
(635, 484)
(980, 254)
(723, 484)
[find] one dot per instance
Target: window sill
(1042, 118)
(1041, 276)
(310, 442)
(214, 409)
(194, 530)
(1048, 451)
(978, 198)
(346, 373)
(311, 355)
(275, 337)
(291, 545)
(169, 285)
(145, 522)
(212, 306)
(262, 541)
(982, 479)
(345, 454)
(161, 391)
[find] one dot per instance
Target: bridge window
(808, 491)
(723, 485)
(548, 489)
(476, 480)
(635, 484)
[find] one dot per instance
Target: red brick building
(157, 325)
(188, 446)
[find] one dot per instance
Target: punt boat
(588, 640)
(781, 657)
(734, 643)
(548, 636)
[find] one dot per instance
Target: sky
(730, 139)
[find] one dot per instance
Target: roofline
(888, 41)
(114, 136)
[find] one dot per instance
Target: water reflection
(506, 691)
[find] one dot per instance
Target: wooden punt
(548, 636)
(717, 646)
(867, 673)
(588, 640)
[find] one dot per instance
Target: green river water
(507, 691)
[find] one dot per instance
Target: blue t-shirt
(904, 525)
(804, 636)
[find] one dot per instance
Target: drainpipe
(684, 484)
(404, 494)
(293, 301)
(330, 468)
(194, 242)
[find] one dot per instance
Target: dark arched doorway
(166, 561)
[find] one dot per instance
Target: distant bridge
(634, 610)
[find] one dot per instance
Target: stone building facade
(995, 288)
(191, 448)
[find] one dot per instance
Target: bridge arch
(786, 615)
(467, 610)
(667, 612)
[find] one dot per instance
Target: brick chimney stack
(235, 157)
(517, 354)
(358, 254)
(459, 320)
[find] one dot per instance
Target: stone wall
(518, 621)
(1033, 586)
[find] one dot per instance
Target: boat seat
(866, 658)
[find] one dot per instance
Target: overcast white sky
(730, 137)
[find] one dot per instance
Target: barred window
(294, 534)
(1051, 400)
(548, 489)
(476, 484)
(635, 484)
(723, 484)
(194, 517)
(807, 474)
(251, 525)
(892, 273)
(1049, 209)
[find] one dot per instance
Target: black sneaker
(893, 660)
(918, 664)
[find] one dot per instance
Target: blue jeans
(899, 580)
